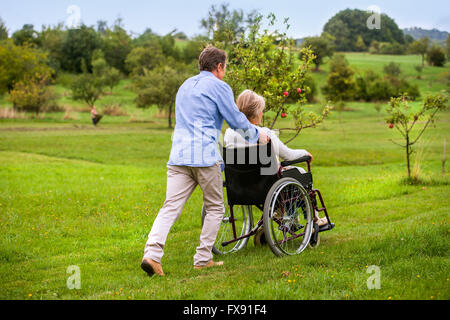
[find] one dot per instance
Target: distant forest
(348, 31)
(419, 33)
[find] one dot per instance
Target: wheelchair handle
(306, 159)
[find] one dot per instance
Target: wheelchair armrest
(299, 160)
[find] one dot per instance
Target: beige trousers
(181, 182)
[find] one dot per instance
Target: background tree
(322, 47)
(99, 64)
(148, 36)
(78, 46)
(112, 78)
(21, 62)
(264, 61)
(419, 70)
(373, 87)
(105, 74)
(117, 45)
(144, 59)
(392, 69)
(169, 47)
(436, 56)
(192, 49)
(392, 48)
(225, 25)
(340, 83)
(360, 45)
(26, 35)
(347, 25)
(32, 94)
(51, 40)
(374, 47)
(180, 35)
(398, 85)
(87, 87)
(160, 86)
(408, 39)
(420, 47)
(102, 27)
(4, 34)
(403, 119)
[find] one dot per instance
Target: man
(202, 103)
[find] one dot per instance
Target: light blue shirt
(202, 103)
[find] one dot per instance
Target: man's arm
(236, 119)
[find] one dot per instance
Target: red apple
(299, 90)
(284, 115)
(286, 93)
(391, 125)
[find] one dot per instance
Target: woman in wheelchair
(252, 105)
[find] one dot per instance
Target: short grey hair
(250, 104)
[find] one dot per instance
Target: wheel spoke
(290, 218)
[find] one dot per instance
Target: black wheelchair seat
(251, 171)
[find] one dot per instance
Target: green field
(72, 194)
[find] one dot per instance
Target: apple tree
(266, 62)
(404, 120)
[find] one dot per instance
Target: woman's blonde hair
(250, 104)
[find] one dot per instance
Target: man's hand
(309, 154)
(263, 138)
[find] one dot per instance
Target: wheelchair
(284, 196)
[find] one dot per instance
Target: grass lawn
(72, 194)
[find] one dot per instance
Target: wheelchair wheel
(288, 221)
(315, 244)
(243, 223)
(259, 238)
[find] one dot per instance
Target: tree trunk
(443, 156)
(407, 156)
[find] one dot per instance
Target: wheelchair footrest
(326, 227)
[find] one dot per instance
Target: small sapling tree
(404, 120)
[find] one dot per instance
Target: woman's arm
(283, 151)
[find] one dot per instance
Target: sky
(307, 18)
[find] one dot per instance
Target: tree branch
(297, 128)
(426, 125)
(274, 120)
(397, 143)
(295, 136)
(402, 133)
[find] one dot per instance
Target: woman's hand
(309, 154)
